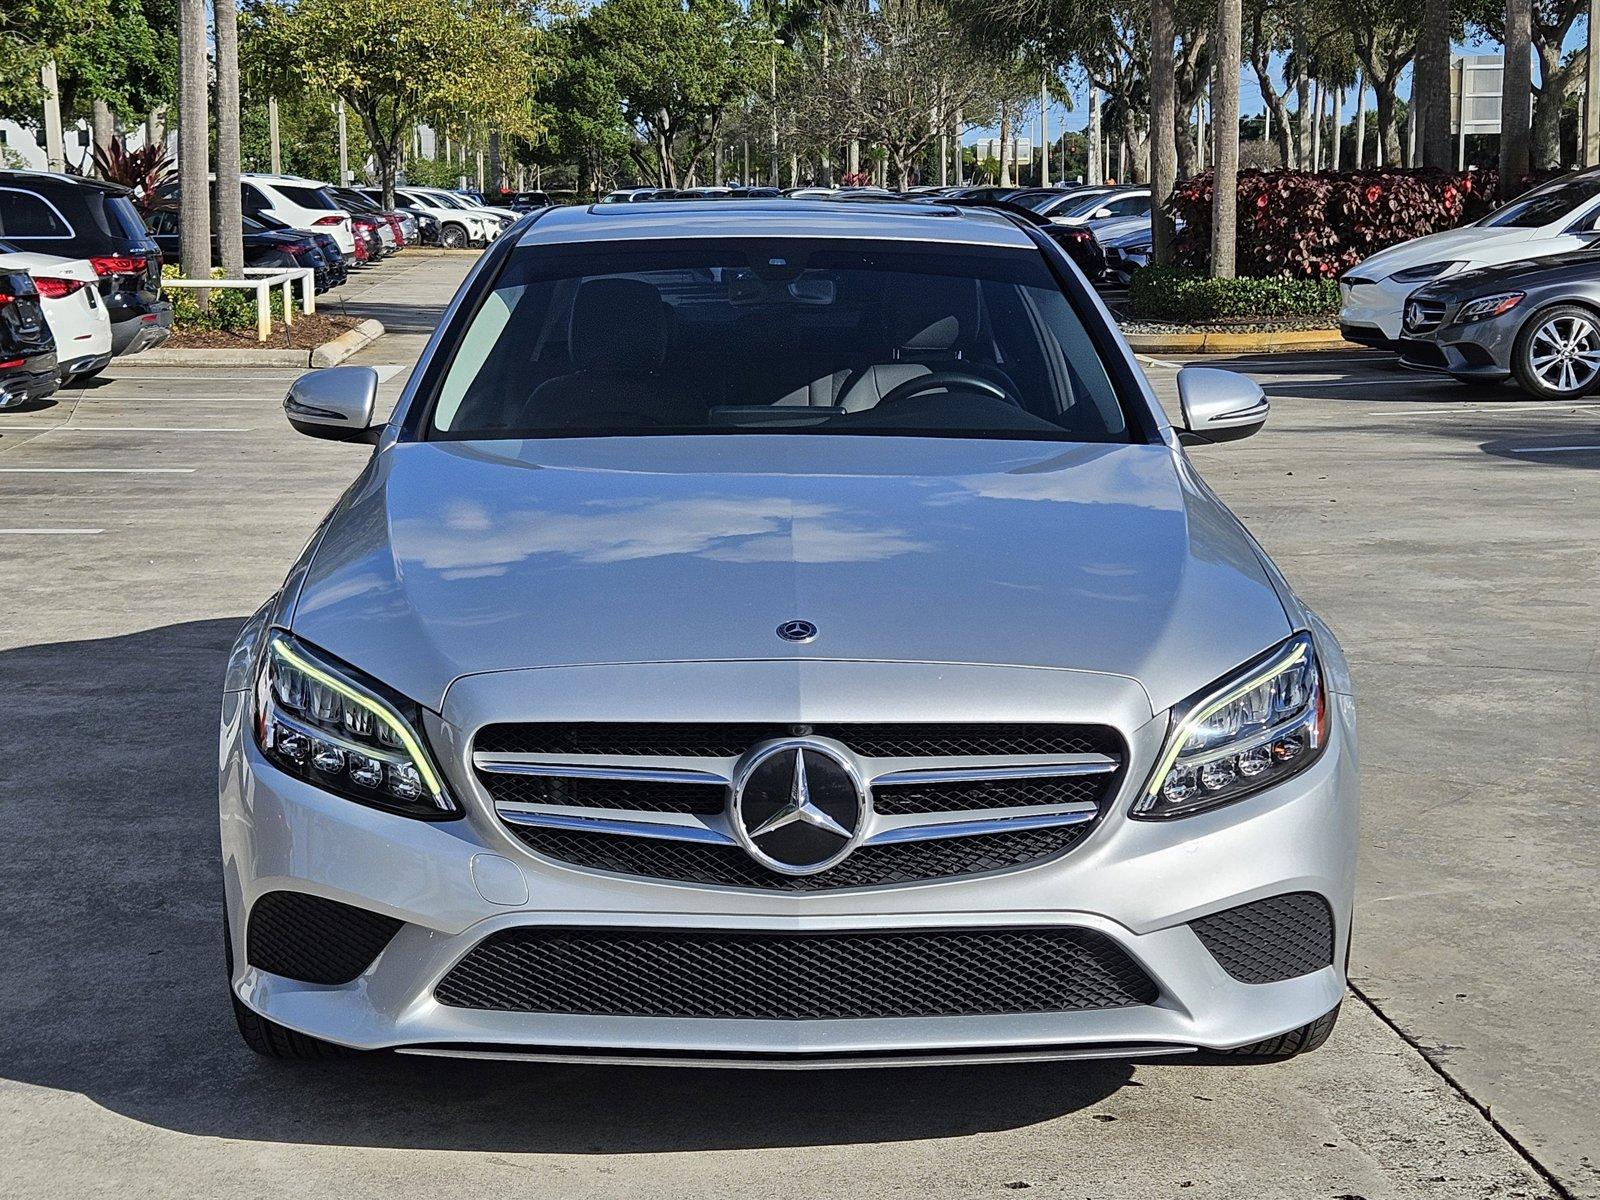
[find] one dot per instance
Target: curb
(1216, 342)
(329, 354)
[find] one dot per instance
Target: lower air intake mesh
(795, 977)
(1278, 938)
(315, 940)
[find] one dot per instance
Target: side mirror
(1219, 406)
(1100, 214)
(335, 403)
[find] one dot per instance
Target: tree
(1225, 131)
(31, 31)
(1383, 34)
(1514, 117)
(394, 62)
(1561, 75)
(1431, 84)
(1163, 128)
(230, 220)
(678, 70)
(194, 163)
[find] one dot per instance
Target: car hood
(1469, 244)
(453, 558)
(1525, 272)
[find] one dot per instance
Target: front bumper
(452, 884)
(1371, 313)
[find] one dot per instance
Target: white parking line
(97, 470)
(1560, 407)
(125, 428)
(1553, 449)
(1346, 383)
(46, 532)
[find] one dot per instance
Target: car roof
(54, 177)
(874, 220)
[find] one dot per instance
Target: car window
(25, 215)
(724, 336)
(305, 197)
(1083, 206)
(116, 216)
(1130, 206)
(252, 199)
(1545, 205)
(163, 221)
(445, 200)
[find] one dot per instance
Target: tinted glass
(787, 336)
(1130, 206)
(1543, 206)
(305, 197)
(26, 215)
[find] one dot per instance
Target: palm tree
(194, 163)
(1225, 134)
(230, 221)
(1163, 123)
(1431, 84)
(1515, 117)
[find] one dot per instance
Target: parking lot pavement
(141, 520)
(1451, 536)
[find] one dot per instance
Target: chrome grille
(1423, 316)
(651, 800)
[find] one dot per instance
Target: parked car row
(80, 281)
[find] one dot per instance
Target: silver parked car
(784, 634)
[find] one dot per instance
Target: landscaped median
(225, 333)
(1172, 310)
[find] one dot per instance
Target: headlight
(1488, 306)
(1425, 271)
(327, 724)
(1256, 728)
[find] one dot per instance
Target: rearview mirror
(1219, 406)
(335, 403)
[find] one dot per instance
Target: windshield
(444, 200)
(1083, 206)
(713, 336)
(1545, 205)
(305, 197)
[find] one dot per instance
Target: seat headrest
(617, 325)
(930, 312)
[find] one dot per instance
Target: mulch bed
(307, 333)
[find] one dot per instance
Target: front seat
(930, 323)
(617, 338)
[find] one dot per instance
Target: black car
(524, 201)
(338, 264)
(263, 247)
(1536, 321)
(88, 218)
(27, 350)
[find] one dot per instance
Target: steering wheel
(970, 380)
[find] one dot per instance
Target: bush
(1179, 294)
(231, 308)
(1319, 226)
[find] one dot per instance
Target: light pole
(772, 53)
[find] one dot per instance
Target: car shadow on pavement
(114, 985)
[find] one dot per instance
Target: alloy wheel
(1565, 353)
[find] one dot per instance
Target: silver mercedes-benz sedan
(784, 634)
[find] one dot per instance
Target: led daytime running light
(402, 732)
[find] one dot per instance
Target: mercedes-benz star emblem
(1413, 315)
(797, 631)
(798, 806)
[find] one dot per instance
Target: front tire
(453, 237)
(1557, 353)
(1288, 1045)
(266, 1037)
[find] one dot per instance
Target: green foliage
(129, 60)
(230, 309)
(1176, 294)
(31, 31)
(308, 135)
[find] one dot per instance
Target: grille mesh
(795, 977)
(313, 939)
(730, 740)
(994, 793)
(868, 866)
(624, 794)
(1278, 938)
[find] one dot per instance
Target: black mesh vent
(730, 740)
(993, 793)
(869, 866)
(605, 793)
(1277, 938)
(795, 977)
(315, 940)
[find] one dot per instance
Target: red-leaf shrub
(1319, 226)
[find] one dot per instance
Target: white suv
(1557, 218)
(458, 228)
(298, 203)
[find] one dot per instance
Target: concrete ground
(142, 517)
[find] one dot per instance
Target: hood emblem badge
(798, 805)
(797, 631)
